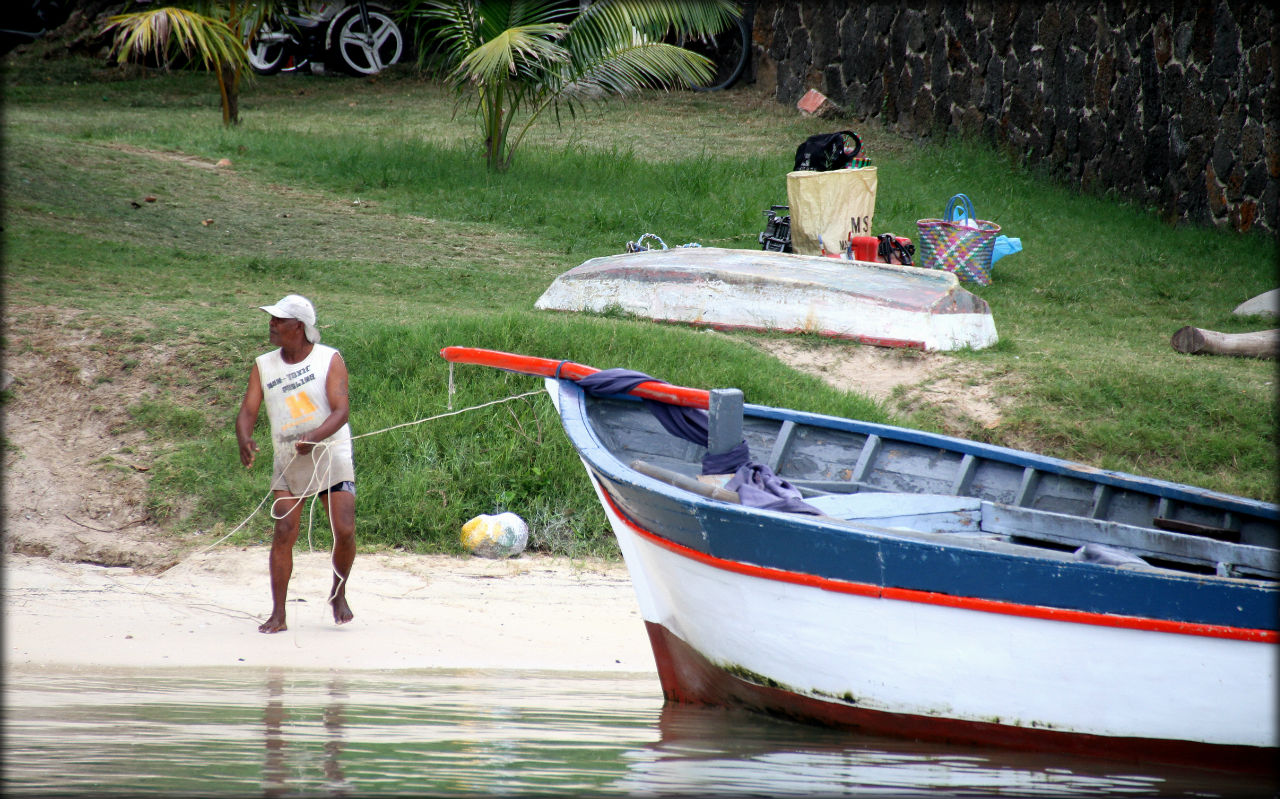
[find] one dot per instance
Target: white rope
(328, 461)
(450, 413)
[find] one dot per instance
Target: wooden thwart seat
(1224, 557)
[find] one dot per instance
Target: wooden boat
(881, 304)
(947, 590)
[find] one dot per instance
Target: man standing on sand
(305, 386)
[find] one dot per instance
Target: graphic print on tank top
(297, 403)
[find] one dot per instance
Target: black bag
(824, 152)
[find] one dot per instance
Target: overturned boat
(918, 585)
(880, 304)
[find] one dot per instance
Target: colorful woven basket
(960, 247)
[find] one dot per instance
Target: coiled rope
(328, 464)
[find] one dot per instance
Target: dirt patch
(75, 484)
(905, 381)
(182, 158)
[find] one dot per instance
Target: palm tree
(527, 56)
(208, 34)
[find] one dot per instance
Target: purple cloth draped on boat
(726, 462)
(759, 487)
(756, 484)
(690, 424)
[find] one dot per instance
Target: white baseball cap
(295, 306)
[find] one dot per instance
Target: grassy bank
(371, 198)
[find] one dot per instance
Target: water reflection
(275, 771)
(285, 733)
(452, 732)
(273, 716)
(333, 745)
(712, 750)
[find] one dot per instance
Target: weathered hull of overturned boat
(942, 594)
(880, 304)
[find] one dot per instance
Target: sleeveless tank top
(297, 404)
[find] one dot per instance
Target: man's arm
(248, 416)
(335, 389)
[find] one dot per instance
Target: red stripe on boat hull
(935, 598)
(688, 677)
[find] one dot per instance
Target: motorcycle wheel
(266, 54)
(728, 52)
(351, 51)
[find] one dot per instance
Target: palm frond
(453, 27)
(608, 21)
(249, 17)
(163, 31)
(495, 16)
(644, 64)
(530, 51)
(519, 56)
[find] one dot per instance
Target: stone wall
(1171, 105)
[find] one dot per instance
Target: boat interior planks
(1034, 501)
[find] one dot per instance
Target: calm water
(288, 733)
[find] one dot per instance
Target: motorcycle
(360, 38)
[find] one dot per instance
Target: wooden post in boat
(724, 420)
(685, 482)
(1258, 344)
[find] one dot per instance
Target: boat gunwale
(1044, 463)
(669, 393)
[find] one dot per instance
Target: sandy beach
(411, 612)
(76, 489)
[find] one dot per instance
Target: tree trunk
(229, 86)
(1258, 344)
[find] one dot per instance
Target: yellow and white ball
(499, 536)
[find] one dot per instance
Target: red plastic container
(864, 248)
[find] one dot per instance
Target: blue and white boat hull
(901, 634)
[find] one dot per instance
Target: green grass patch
(418, 484)
(168, 420)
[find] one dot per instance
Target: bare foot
(273, 625)
(341, 612)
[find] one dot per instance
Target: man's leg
(281, 561)
(341, 507)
